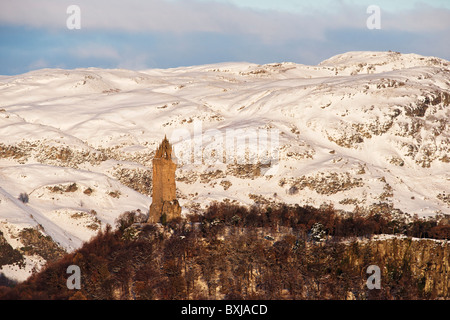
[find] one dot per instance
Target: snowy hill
(359, 129)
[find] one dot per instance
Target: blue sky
(138, 34)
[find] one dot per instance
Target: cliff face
(426, 259)
(235, 262)
(417, 265)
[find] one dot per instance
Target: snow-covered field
(357, 129)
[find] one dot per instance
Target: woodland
(234, 252)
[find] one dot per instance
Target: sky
(144, 34)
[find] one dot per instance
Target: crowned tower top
(164, 150)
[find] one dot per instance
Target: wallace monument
(165, 206)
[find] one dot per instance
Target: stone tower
(165, 206)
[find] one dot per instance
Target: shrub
(293, 190)
(318, 232)
(440, 232)
(126, 219)
(24, 197)
(72, 188)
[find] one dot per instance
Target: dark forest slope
(232, 252)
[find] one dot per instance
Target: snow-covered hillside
(359, 129)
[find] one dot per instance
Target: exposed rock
(324, 182)
(136, 179)
(36, 243)
(225, 184)
(8, 255)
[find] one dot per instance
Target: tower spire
(164, 205)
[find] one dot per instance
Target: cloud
(139, 34)
(152, 16)
(190, 16)
(95, 50)
(138, 61)
(423, 18)
(38, 64)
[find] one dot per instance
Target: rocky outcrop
(324, 182)
(426, 260)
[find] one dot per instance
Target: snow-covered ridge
(358, 129)
(356, 62)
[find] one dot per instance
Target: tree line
(237, 252)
